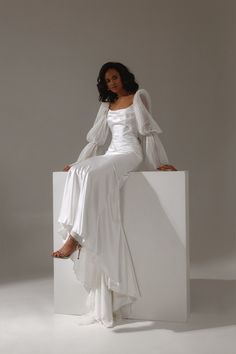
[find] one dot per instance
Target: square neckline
(119, 109)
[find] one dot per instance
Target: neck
(122, 92)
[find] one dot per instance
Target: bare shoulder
(124, 102)
(131, 98)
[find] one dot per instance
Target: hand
(166, 168)
(66, 168)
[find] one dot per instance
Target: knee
(74, 169)
(83, 171)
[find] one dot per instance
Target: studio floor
(28, 324)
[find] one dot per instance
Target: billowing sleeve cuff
(88, 151)
(155, 153)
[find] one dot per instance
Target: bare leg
(67, 249)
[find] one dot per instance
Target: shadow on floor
(212, 304)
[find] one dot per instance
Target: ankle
(73, 239)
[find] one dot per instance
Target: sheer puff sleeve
(153, 150)
(96, 136)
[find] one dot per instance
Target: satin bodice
(123, 126)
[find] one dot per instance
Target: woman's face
(113, 80)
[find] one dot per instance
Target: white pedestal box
(154, 210)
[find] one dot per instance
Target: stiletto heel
(79, 249)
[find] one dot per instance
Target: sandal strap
(74, 240)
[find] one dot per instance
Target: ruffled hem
(105, 300)
(91, 210)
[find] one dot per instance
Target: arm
(96, 136)
(154, 152)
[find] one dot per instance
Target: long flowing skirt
(90, 211)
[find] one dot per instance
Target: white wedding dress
(90, 211)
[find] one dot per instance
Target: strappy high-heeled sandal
(66, 256)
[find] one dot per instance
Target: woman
(90, 212)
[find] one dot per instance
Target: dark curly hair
(127, 78)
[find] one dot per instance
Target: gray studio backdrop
(182, 52)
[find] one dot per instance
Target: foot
(67, 249)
